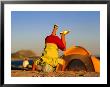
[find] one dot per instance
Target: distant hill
(23, 53)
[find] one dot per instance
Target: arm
(60, 44)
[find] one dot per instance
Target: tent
(82, 58)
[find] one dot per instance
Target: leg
(33, 67)
(57, 67)
(63, 65)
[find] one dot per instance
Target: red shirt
(56, 40)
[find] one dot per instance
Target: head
(25, 58)
(55, 29)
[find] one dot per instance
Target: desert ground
(24, 73)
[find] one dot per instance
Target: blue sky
(29, 29)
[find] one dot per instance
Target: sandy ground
(22, 73)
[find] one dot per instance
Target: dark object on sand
(15, 68)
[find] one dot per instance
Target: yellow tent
(90, 62)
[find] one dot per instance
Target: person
(25, 63)
(53, 43)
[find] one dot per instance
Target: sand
(24, 73)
